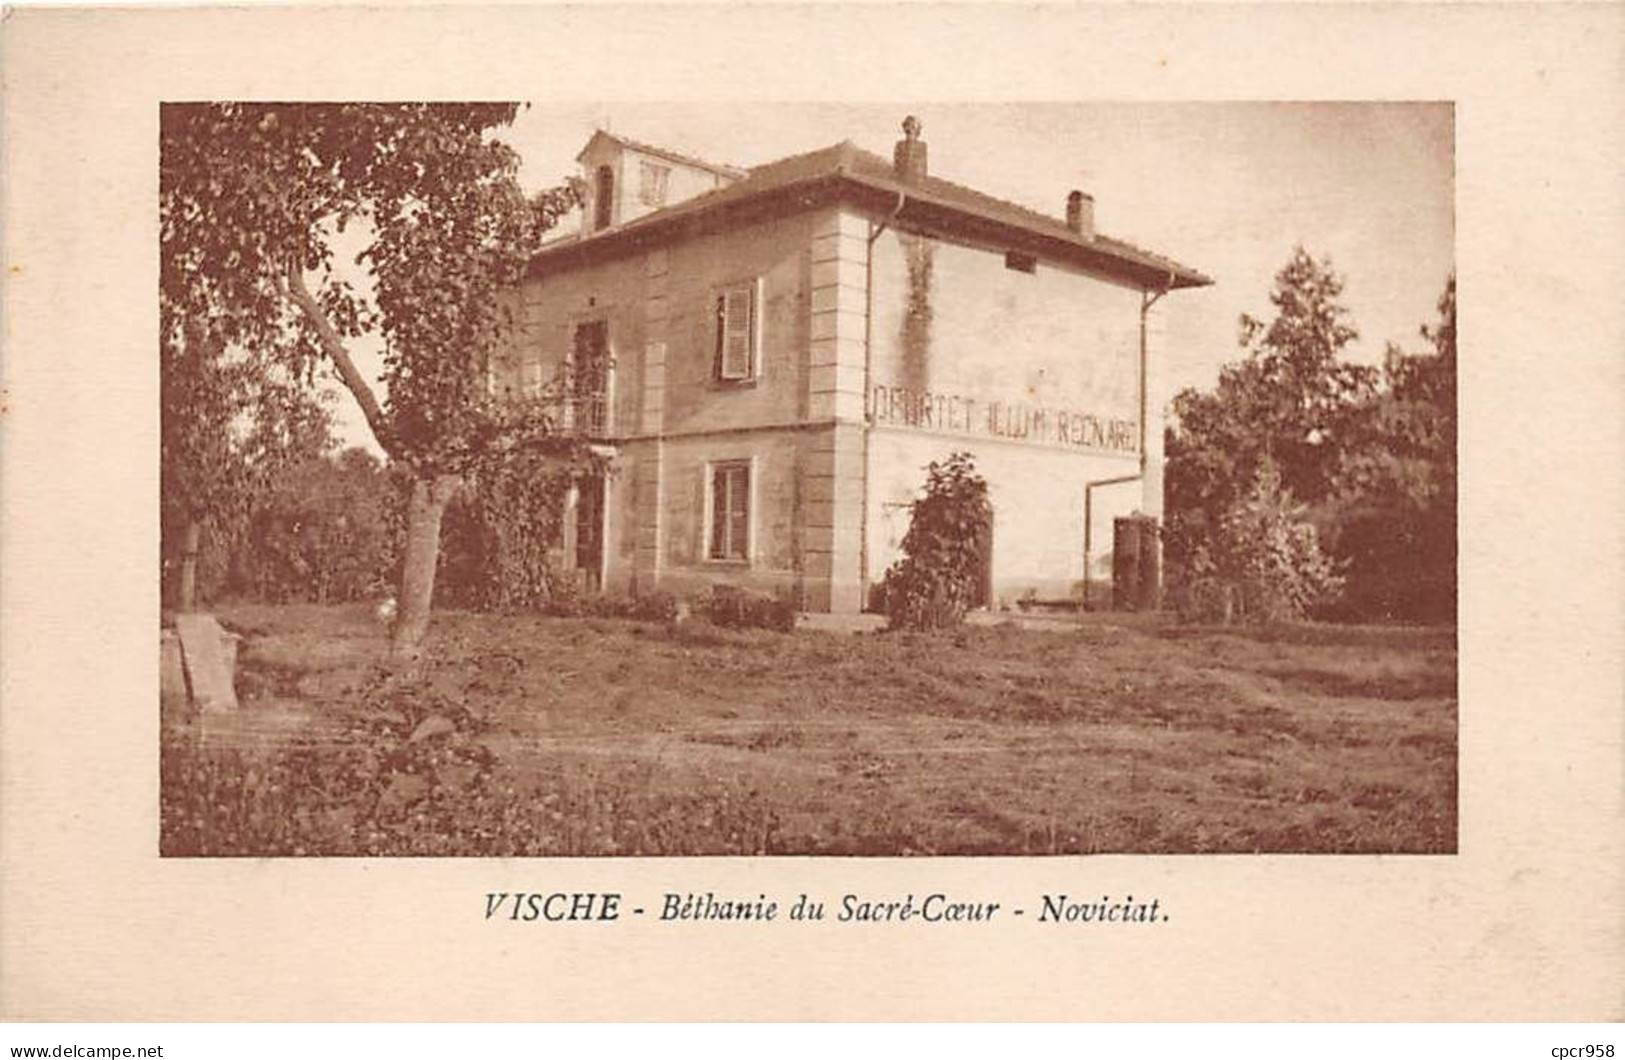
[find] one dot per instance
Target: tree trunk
(189, 550)
(423, 515)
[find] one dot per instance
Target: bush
(1399, 563)
(654, 607)
(735, 608)
(568, 601)
(1262, 563)
(944, 551)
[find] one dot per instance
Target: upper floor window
(652, 184)
(531, 379)
(1015, 259)
(590, 364)
(603, 197)
(738, 332)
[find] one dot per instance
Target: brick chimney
(1080, 214)
(909, 158)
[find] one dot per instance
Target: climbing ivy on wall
(919, 253)
(501, 536)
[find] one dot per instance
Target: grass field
(596, 736)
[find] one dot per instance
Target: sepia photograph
(842, 512)
(597, 479)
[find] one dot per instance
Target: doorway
(982, 587)
(589, 532)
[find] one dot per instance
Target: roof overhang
(921, 209)
(933, 213)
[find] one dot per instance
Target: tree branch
(333, 346)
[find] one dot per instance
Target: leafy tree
(228, 428)
(1410, 426)
(944, 551)
(324, 531)
(1290, 401)
(1369, 454)
(1396, 516)
(256, 201)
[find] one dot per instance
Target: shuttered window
(603, 198)
(730, 511)
(736, 314)
(652, 183)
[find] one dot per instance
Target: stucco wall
(777, 252)
(683, 280)
(777, 461)
(682, 182)
(1035, 374)
(661, 497)
(1037, 499)
(675, 419)
(1051, 355)
(552, 307)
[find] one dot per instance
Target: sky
(1227, 188)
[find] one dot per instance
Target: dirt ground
(1101, 736)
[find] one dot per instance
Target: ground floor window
(730, 510)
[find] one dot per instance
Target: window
(531, 385)
(590, 363)
(603, 197)
(730, 511)
(652, 183)
(590, 528)
(736, 333)
(1015, 259)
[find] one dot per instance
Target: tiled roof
(937, 203)
(666, 153)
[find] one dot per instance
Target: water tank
(1136, 564)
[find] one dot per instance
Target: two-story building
(774, 354)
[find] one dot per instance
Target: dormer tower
(625, 180)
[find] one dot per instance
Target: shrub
(1399, 562)
(734, 608)
(933, 585)
(654, 607)
(1262, 563)
(568, 601)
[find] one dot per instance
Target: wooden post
(189, 551)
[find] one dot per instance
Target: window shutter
(738, 511)
(737, 327)
(653, 188)
(719, 512)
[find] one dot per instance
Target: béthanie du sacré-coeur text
(930, 908)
